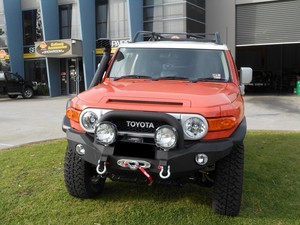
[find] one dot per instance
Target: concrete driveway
(24, 121)
(273, 112)
(38, 119)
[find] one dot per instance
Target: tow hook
(162, 169)
(101, 168)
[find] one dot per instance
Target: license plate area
(137, 150)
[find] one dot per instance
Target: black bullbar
(147, 116)
(180, 159)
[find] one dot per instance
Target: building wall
(30, 4)
(220, 17)
(50, 29)
(14, 30)
(88, 39)
(4, 62)
(124, 19)
(135, 17)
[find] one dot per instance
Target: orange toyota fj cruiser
(168, 109)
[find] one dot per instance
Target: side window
(12, 77)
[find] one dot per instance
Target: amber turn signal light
(73, 114)
(224, 123)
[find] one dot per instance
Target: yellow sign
(52, 48)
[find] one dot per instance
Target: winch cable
(150, 179)
(134, 165)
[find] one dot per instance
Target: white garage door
(275, 22)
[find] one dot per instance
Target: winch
(133, 164)
(137, 165)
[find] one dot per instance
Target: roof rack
(154, 36)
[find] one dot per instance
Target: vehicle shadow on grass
(193, 197)
(121, 191)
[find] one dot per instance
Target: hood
(133, 94)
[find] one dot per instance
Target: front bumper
(180, 161)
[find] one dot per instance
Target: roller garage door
(275, 22)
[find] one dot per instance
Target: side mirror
(245, 75)
(245, 78)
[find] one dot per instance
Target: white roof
(176, 44)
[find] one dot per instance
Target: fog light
(166, 137)
(201, 159)
(106, 133)
(79, 149)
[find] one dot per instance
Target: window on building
(199, 3)
(32, 27)
(35, 70)
(65, 21)
(101, 18)
(174, 16)
(164, 16)
(118, 19)
(3, 38)
(195, 11)
(112, 19)
(4, 63)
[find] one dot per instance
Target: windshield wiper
(207, 79)
(172, 78)
(133, 77)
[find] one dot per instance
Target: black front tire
(28, 93)
(228, 184)
(81, 178)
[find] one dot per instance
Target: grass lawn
(32, 190)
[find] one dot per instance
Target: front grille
(123, 126)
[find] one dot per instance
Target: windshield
(182, 64)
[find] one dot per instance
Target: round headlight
(195, 127)
(89, 121)
(106, 133)
(166, 137)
